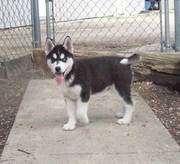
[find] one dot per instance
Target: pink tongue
(59, 79)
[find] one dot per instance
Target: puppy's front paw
(83, 119)
(120, 115)
(123, 121)
(69, 126)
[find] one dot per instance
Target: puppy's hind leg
(126, 119)
(128, 105)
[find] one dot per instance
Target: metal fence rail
(15, 29)
(106, 23)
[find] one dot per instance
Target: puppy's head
(59, 57)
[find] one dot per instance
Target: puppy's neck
(71, 72)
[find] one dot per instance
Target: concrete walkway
(37, 136)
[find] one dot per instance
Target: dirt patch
(165, 103)
(11, 93)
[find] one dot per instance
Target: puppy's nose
(58, 69)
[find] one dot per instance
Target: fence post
(36, 23)
(161, 27)
(167, 33)
(50, 19)
(177, 24)
(53, 20)
(48, 27)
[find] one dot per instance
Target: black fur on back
(95, 74)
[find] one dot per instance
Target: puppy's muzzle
(58, 70)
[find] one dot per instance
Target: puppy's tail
(130, 60)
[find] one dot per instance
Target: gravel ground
(165, 103)
(11, 93)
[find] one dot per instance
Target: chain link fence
(15, 29)
(102, 23)
(92, 24)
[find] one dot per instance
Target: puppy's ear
(49, 46)
(68, 44)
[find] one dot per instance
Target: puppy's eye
(53, 60)
(64, 59)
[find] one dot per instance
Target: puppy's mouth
(59, 73)
(59, 77)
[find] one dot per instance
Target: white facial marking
(65, 66)
(124, 61)
(54, 56)
(51, 66)
(62, 56)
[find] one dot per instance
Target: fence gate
(102, 23)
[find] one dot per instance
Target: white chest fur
(70, 92)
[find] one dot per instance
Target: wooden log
(168, 63)
(161, 68)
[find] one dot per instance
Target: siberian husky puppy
(80, 78)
